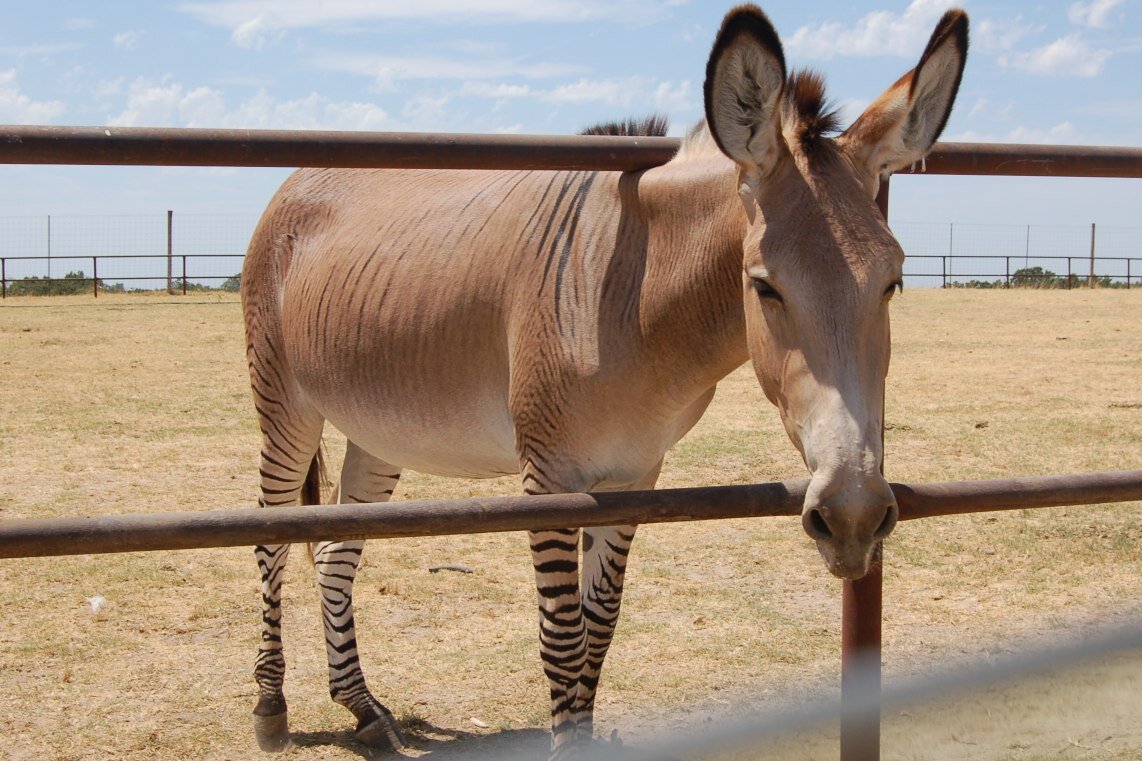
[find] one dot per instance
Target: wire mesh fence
(1045, 256)
(45, 255)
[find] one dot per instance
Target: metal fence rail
(144, 532)
(142, 146)
(861, 600)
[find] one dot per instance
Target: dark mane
(808, 114)
(654, 125)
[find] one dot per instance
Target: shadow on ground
(428, 741)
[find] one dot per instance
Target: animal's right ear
(744, 80)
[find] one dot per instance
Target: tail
(315, 479)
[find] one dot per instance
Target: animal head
(819, 262)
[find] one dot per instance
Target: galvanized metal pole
(861, 617)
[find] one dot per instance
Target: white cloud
(486, 90)
(389, 70)
(128, 40)
(877, 33)
(256, 33)
(1093, 14)
(78, 22)
(1066, 56)
(17, 108)
(628, 91)
(167, 103)
(1000, 35)
(1063, 133)
(274, 16)
(44, 49)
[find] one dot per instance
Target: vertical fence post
(170, 251)
(1128, 274)
(1070, 276)
(943, 272)
(95, 276)
(4, 277)
(49, 254)
(861, 604)
(184, 274)
(1007, 272)
(861, 639)
(1092, 278)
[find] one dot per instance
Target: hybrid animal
(572, 326)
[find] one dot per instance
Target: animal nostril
(889, 522)
(820, 529)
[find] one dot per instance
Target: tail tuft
(315, 480)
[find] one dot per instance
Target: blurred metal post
(49, 254)
(4, 277)
(170, 251)
(860, 663)
(861, 635)
(95, 276)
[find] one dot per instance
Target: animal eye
(765, 291)
(894, 289)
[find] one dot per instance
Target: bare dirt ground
(140, 404)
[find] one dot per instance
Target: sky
(1058, 72)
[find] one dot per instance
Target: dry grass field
(140, 404)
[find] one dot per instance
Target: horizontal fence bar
(250, 526)
(289, 148)
(20, 144)
(1002, 159)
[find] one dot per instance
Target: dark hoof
(381, 733)
(272, 732)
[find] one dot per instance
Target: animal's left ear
(900, 127)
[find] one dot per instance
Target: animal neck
(691, 310)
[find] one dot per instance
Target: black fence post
(95, 276)
(1093, 279)
(184, 274)
(1007, 272)
(4, 277)
(170, 249)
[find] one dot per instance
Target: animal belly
(468, 442)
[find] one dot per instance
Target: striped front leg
(605, 552)
(364, 478)
(562, 640)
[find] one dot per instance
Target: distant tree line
(75, 283)
(1037, 277)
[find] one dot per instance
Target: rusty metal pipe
(291, 148)
(229, 528)
(1031, 160)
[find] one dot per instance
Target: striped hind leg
(364, 478)
(288, 468)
